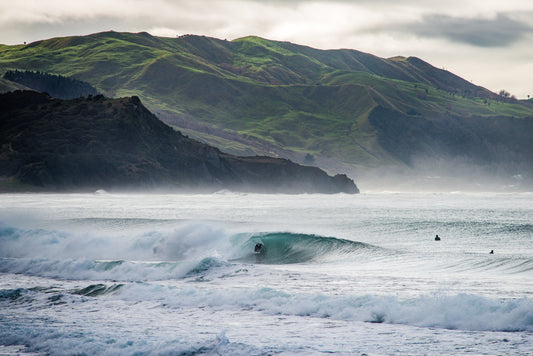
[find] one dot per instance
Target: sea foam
(462, 311)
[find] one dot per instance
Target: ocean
(177, 274)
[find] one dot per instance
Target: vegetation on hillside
(278, 98)
(55, 85)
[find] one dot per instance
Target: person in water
(491, 252)
(258, 248)
(437, 238)
(259, 251)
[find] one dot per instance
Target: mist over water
(441, 173)
(177, 273)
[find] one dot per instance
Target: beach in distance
(179, 274)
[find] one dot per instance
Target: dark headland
(91, 143)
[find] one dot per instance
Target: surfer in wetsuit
(259, 251)
(437, 238)
(491, 252)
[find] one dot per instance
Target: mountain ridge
(257, 96)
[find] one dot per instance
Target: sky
(487, 42)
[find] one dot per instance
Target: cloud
(500, 31)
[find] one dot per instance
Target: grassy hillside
(261, 96)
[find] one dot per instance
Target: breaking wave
(159, 254)
(462, 311)
(287, 248)
(456, 312)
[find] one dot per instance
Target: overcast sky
(487, 42)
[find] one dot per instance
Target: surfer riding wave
(259, 251)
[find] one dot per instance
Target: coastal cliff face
(100, 143)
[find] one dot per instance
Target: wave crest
(288, 248)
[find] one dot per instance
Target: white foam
(179, 292)
(169, 244)
(103, 255)
(462, 311)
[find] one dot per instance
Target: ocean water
(176, 274)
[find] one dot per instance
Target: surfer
(437, 238)
(491, 252)
(259, 251)
(258, 248)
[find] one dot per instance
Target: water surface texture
(177, 274)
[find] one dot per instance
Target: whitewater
(176, 274)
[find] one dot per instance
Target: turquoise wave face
(288, 248)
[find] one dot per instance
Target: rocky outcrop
(269, 174)
(100, 143)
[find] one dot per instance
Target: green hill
(346, 108)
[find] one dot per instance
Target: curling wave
(288, 247)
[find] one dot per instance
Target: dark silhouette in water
(259, 251)
(491, 252)
(437, 238)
